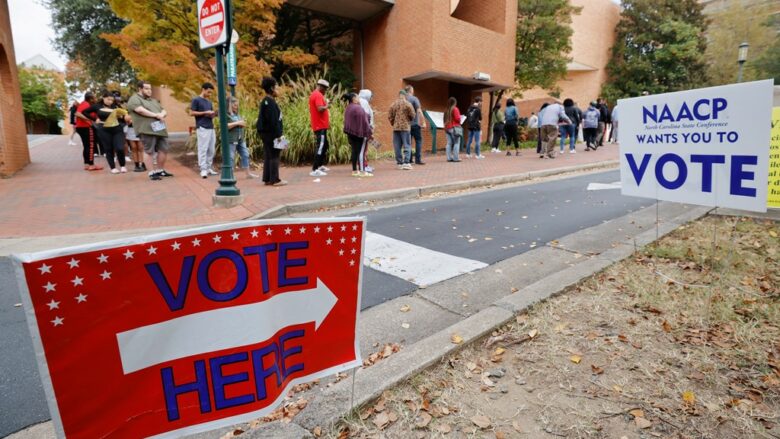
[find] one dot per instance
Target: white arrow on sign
(604, 187)
(220, 329)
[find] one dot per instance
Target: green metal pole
(227, 182)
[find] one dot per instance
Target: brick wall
(14, 152)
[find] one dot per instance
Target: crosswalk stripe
(415, 264)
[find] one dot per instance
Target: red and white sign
(190, 331)
(212, 23)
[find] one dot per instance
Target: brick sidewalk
(54, 196)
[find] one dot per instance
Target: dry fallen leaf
(499, 351)
(471, 366)
(423, 420)
(596, 370)
(406, 308)
(317, 431)
(575, 359)
(637, 413)
(444, 428)
(405, 325)
(533, 333)
(773, 234)
(500, 435)
(381, 421)
(643, 423)
(456, 339)
(667, 327)
(689, 397)
(481, 421)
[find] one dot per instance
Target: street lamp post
(741, 58)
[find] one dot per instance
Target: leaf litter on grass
(682, 339)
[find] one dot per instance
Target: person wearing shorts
(149, 124)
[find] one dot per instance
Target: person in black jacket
(603, 120)
(270, 128)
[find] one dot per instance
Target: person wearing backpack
(474, 123)
(590, 126)
(512, 119)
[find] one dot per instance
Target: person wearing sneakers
(453, 129)
(358, 129)
(550, 119)
(320, 124)
(474, 122)
(401, 115)
(87, 133)
(365, 102)
(107, 115)
(149, 123)
(203, 111)
(418, 124)
(590, 127)
(237, 138)
(498, 127)
(512, 119)
(271, 130)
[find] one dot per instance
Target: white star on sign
(352, 263)
(330, 229)
(317, 229)
(343, 228)
(341, 252)
(343, 240)
(105, 275)
(102, 258)
(152, 250)
(81, 298)
(329, 241)
(196, 242)
(302, 230)
(77, 281)
(354, 239)
(235, 236)
(255, 233)
(45, 268)
(287, 231)
(73, 263)
(53, 305)
(50, 287)
(57, 321)
(354, 228)
(217, 239)
(176, 246)
(354, 251)
(268, 231)
(129, 254)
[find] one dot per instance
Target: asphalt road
(514, 219)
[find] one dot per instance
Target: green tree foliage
(543, 42)
(43, 95)
(767, 66)
(659, 48)
(727, 30)
(79, 24)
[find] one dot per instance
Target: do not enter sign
(212, 23)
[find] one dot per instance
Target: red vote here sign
(189, 331)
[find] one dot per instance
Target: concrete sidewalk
(54, 196)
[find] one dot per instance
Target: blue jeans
(567, 130)
(402, 142)
(474, 135)
(243, 153)
(453, 145)
(418, 140)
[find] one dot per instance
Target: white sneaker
(317, 173)
(573, 151)
(480, 156)
(204, 174)
(213, 172)
(115, 171)
(123, 170)
(324, 169)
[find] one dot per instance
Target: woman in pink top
(453, 129)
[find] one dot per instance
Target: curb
(419, 192)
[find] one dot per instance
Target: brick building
(460, 48)
(14, 152)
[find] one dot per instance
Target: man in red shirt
(320, 123)
(87, 133)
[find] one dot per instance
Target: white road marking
(604, 187)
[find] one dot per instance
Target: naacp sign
(708, 146)
(185, 332)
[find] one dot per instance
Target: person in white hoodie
(364, 97)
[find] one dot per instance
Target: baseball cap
(323, 83)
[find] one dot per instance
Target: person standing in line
(87, 133)
(320, 124)
(533, 121)
(539, 131)
(603, 114)
(498, 127)
(401, 115)
(358, 130)
(149, 123)
(203, 111)
(569, 130)
(512, 119)
(549, 120)
(72, 120)
(613, 135)
(418, 124)
(578, 123)
(365, 102)
(474, 123)
(453, 129)
(237, 138)
(271, 130)
(107, 115)
(590, 126)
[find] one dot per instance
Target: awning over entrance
(483, 86)
(358, 10)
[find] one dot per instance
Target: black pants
(113, 140)
(418, 140)
(539, 140)
(88, 141)
(270, 160)
(321, 153)
(590, 135)
(358, 145)
(511, 135)
(498, 133)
